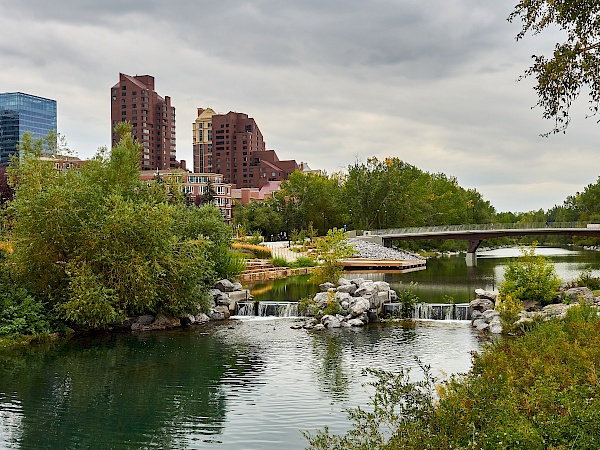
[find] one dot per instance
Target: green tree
(257, 216)
(329, 250)
(315, 198)
(530, 277)
(98, 245)
(575, 63)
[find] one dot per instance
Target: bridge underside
(476, 237)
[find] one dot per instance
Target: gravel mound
(370, 250)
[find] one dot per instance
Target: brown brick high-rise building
(152, 118)
(231, 144)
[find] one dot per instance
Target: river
(244, 384)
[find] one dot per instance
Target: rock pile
(370, 250)
(356, 301)
(483, 315)
(485, 318)
(223, 297)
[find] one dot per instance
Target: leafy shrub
(537, 391)
(256, 238)
(509, 307)
(233, 264)
(329, 251)
(407, 298)
(333, 306)
(97, 244)
(21, 313)
(307, 306)
(303, 261)
(278, 261)
(586, 279)
(530, 277)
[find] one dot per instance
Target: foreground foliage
(96, 245)
(538, 391)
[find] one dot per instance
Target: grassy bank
(538, 391)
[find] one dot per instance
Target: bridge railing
(480, 227)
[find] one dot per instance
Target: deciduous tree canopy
(575, 63)
(98, 245)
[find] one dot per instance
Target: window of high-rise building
(20, 113)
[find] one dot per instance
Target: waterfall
(267, 309)
(432, 311)
(245, 309)
(278, 309)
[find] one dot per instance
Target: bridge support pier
(471, 259)
(472, 252)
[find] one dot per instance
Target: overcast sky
(328, 82)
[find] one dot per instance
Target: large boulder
(356, 322)
(219, 313)
(366, 290)
(342, 297)
(359, 307)
(382, 286)
(201, 318)
(161, 322)
(531, 305)
(357, 281)
(326, 286)
(225, 300)
(347, 288)
(490, 315)
(224, 285)
(321, 299)
(187, 320)
(490, 295)
(495, 326)
(343, 282)
(558, 310)
(574, 295)
(331, 321)
(481, 304)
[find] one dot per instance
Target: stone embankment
(486, 319)
(356, 301)
(263, 270)
(223, 297)
(371, 250)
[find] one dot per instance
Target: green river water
(250, 383)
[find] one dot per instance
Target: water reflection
(449, 279)
(331, 375)
(149, 390)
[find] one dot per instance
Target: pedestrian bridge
(477, 233)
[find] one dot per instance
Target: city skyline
(329, 82)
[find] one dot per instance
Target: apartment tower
(202, 141)
(232, 145)
(152, 118)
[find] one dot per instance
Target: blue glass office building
(20, 113)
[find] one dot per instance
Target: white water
(267, 309)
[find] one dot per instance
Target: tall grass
(257, 251)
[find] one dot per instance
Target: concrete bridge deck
(476, 233)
